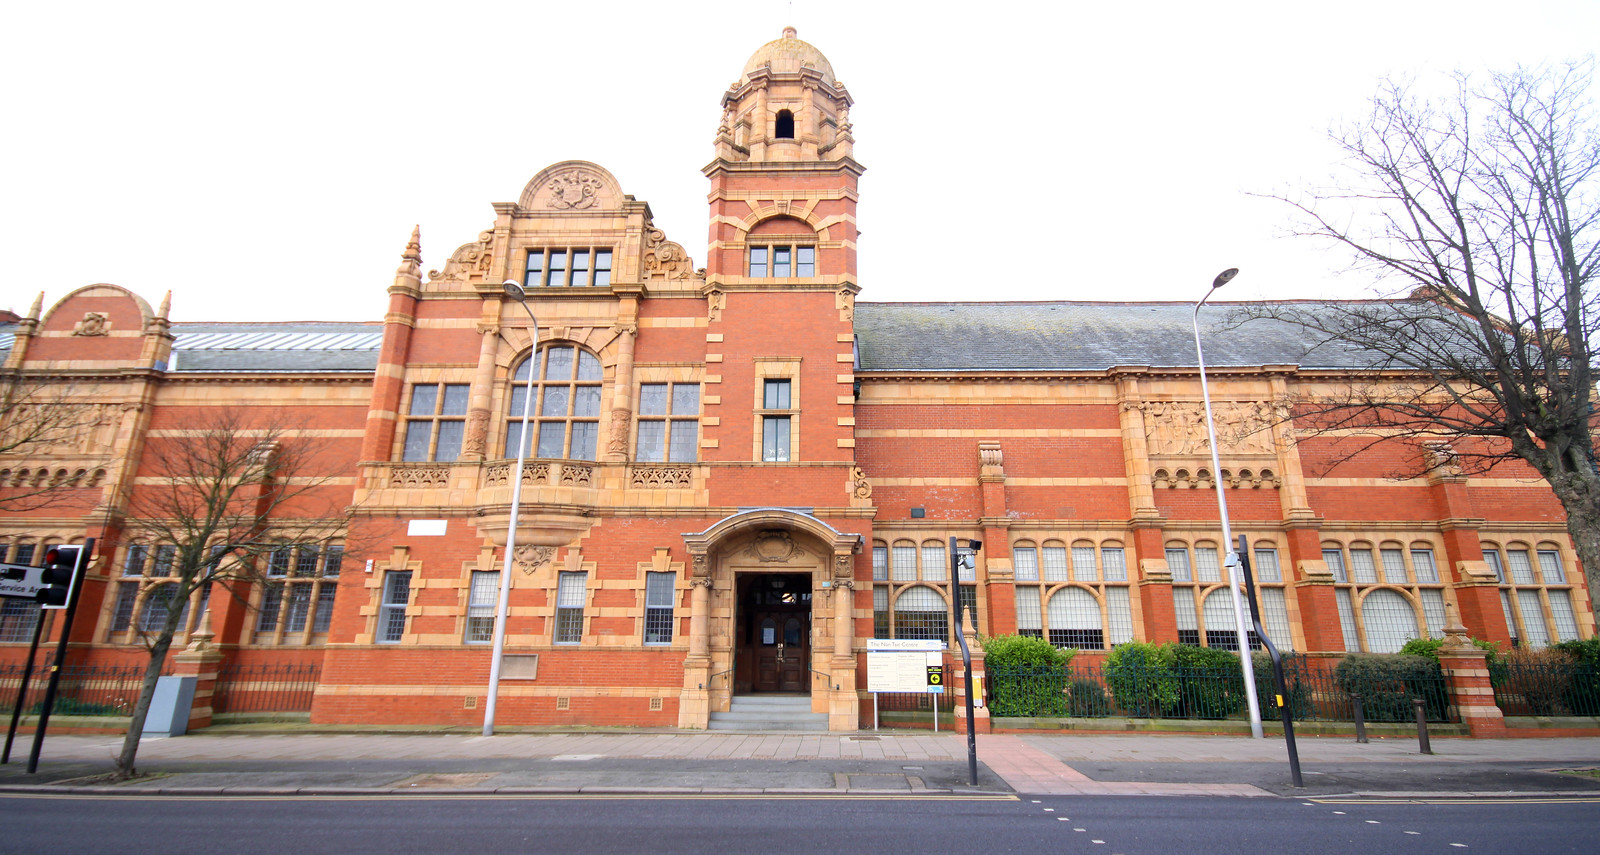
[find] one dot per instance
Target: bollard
(1361, 718)
(1422, 727)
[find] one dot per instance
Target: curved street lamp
(512, 289)
(1232, 562)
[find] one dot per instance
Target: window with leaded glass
(659, 591)
(584, 267)
(1535, 594)
(565, 421)
(1386, 593)
(908, 573)
(669, 422)
(571, 593)
(17, 617)
(1062, 593)
(296, 599)
(435, 422)
(482, 594)
(782, 261)
(776, 416)
(392, 610)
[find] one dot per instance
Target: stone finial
(166, 306)
(1455, 633)
(789, 33)
(200, 639)
(411, 259)
(37, 307)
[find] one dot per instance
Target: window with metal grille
(565, 420)
(392, 612)
(1388, 620)
(880, 612)
(1221, 628)
(880, 563)
(669, 422)
(435, 422)
(1187, 619)
(157, 606)
(299, 608)
(571, 591)
(17, 617)
(919, 612)
(324, 614)
(586, 267)
(969, 603)
(1075, 620)
(1526, 577)
(297, 601)
(127, 600)
(23, 554)
(482, 593)
(134, 563)
(1030, 620)
(659, 589)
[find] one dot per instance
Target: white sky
(267, 161)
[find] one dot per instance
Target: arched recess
(753, 545)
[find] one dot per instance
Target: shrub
(1210, 681)
(1086, 698)
(1298, 692)
(1027, 676)
(1430, 647)
(1542, 676)
(1023, 651)
(1139, 675)
(1387, 683)
(1586, 652)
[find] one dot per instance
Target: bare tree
(1485, 207)
(38, 418)
(221, 496)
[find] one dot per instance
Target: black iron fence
(265, 688)
(1315, 693)
(104, 690)
(1547, 689)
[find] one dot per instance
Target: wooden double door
(775, 632)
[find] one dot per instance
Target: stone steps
(782, 713)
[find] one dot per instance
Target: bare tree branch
(1485, 207)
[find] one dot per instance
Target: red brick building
(737, 474)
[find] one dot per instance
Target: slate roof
(280, 347)
(266, 348)
(1079, 336)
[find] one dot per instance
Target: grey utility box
(169, 707)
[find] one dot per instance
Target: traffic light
(59, 574)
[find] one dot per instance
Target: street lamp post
(1232, 562)
(515, 292)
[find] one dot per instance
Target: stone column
(694, 704)
(474, 447)
(844, 711)
(622, 395)
(200, 660)
(1466, 672)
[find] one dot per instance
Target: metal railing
(1103, 691)
(265, 688)
(1554, 689)
(93, 690)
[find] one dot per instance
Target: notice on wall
(904, 665)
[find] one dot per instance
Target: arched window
(784, 128)
(1075, 620)
(1221, 629)
(1388, 620)
(919, 612)
(566, 407)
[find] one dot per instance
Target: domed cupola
(785, 106)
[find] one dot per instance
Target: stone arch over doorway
(768, 551)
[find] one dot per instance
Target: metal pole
(1285, 714)
(514, 291)
(22, 690)
(966, 660)
(1422, 726)
(1222, 509)
(85, 552)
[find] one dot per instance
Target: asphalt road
(39, 825)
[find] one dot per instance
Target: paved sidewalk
(260, 762)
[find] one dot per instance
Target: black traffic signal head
(60, 568)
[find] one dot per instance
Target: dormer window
(784, 128)
(783, 261)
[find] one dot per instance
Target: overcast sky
(268, 161)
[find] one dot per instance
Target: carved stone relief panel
(1179, 427)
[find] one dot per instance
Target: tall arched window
(566, 407)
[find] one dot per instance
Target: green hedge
(1387, 683)
(1175, 680)
(1027, 676)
